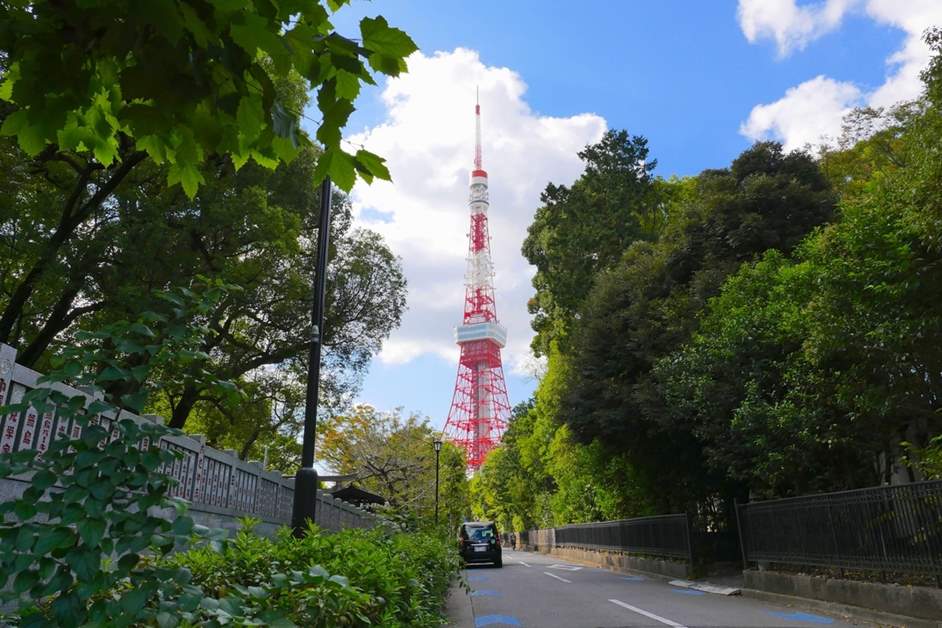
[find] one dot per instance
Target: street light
(438, 448)
(305, 482)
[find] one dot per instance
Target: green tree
(394, 457)
(582, 229)
(92, 91)
(648, 306)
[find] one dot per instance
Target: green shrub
(380, 579)
(79, 546)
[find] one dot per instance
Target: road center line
(552, 575)
(641, 611)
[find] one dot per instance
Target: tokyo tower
(479, 407)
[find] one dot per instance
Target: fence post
(688, 532)
(742, 545)
(837, 551)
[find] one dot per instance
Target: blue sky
(700, 80)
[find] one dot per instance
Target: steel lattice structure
(479, 408)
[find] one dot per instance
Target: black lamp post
(438, 449)
(305, 482)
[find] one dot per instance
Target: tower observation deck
(479, 407)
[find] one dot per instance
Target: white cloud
(811, 112)
(791, 26)
(428, 139)
(807, 114)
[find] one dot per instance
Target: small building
(358, 496)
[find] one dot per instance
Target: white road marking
(641, 611)
(523, 563)
(565, 567)
(552, 575)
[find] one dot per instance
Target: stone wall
(220, 487)
(898, 599)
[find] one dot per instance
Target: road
(540, 591)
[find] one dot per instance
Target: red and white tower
(479, 407)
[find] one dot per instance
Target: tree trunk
(69, 222)
(183, 408)
(58, 320)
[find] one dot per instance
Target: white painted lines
(552, 575)
(649, 615)
(565, 567)
(523, 563)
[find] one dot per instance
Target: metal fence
(661, 535)
(213, 481)
(888, 528)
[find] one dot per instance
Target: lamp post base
(305, 500)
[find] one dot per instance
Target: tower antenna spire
(477, 129)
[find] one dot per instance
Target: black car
(479, 542)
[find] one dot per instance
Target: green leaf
(374, 164)
(112, 374)
(339, 166)
(6, 87)
(348, 85)
(182, 526)
(91, 531)
(24, 539)
(133, 601)
(379, 37)
(25, 581)
(24, 510)
(258, 592)
(135, 401)
(14, 122)
(251, 118)
(56, 538)
(187, 175)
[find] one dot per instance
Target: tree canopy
(775, 332)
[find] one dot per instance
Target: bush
(349, 578)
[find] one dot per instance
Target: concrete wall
(617, 561)
(921, 602)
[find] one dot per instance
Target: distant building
(358, 496)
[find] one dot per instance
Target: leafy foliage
(389, 580)
(394, 457)
(776, 335)
(79, 544)
(183, 81)
(583, 229)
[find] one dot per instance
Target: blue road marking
(633, 578)
(688, 592)
(485, 593)
(487, 620)
(808, 617)
(476, 578)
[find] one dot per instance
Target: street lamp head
(438, 445)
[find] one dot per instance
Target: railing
(888, 529)
(211, 480)
(661, 535)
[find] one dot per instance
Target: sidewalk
(458, 607)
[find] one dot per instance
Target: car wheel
(499, 562)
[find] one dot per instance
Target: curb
(853, 612)
(458, 607)
(706, 587)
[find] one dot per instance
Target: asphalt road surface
(540, 591)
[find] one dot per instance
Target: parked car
(479, 542)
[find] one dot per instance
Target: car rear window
(480, 533)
